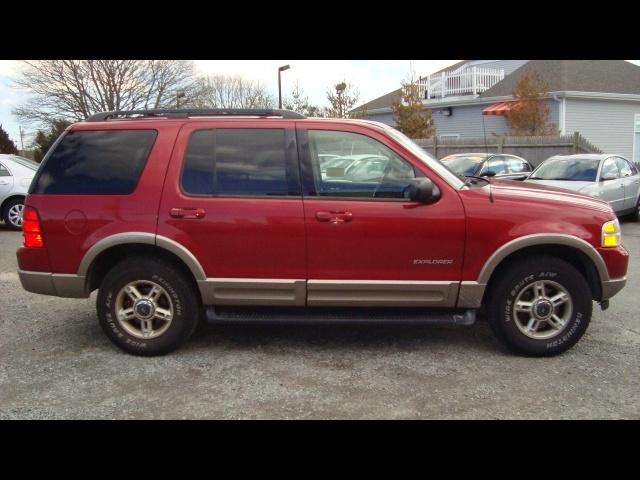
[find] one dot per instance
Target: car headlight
(611, 234)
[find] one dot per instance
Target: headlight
(611, 236)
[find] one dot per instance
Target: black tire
(635, 216)
(5, 213)
(179, 288)
(514, 280)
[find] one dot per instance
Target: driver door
(367, 244)
(612, 190)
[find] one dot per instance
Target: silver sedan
(16, 174)
(610, 177)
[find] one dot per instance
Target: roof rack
(193, 112)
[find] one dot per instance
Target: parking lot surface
(56, 363)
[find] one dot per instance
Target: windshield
(451, 178)
(464, 165)
(574, 169)
(25, 162)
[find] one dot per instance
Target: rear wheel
(12, 213)
(147, 306)
(540, 306)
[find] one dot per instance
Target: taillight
(31, 232)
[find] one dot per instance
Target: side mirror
(422, 190)
(488, 173)
(604, 178)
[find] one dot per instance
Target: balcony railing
(469, 81)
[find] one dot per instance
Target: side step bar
(225, 314)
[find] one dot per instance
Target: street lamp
(339, 89)
(179, 95)
(281, 69)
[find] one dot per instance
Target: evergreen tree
(44, 140)
(6, 144)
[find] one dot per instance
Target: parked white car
(609, 177)
(16, 174)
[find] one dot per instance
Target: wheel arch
(572, 249)
(105, 253)
(9, 198)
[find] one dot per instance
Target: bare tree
(72, 90)
(342, 97)
(228, 91)
(299, 102)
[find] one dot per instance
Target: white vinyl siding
(608, 124)
(466, 121)
(636, 138)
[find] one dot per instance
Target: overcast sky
(373, 78)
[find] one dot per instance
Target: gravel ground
(55, 363)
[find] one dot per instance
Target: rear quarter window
(106, 162)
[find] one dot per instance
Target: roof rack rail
(193, 112)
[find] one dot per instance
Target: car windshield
(573, 169)
(463, 165)
(425, 158)
(25, 162)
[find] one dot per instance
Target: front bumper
(56, 284)
(612, 287)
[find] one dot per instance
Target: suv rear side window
(237, 162)
(106, 162)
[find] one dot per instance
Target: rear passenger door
(232, 197)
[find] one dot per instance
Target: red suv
(174, 215)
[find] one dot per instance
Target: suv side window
(3, 171)
(95, 162)
(610, 168)
(237, 162)
(360, 167)
(625, 167)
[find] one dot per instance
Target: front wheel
(540, 306)
(147, 306)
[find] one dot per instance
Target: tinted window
(3, 171)
(363, 167)
(247, 162)
(104, 162)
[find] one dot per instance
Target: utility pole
(21, 140)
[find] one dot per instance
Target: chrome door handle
(187, 212)
(334, 216)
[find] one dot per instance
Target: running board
(338, 315)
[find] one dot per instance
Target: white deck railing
(470, 81)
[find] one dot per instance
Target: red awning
(501, 108)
